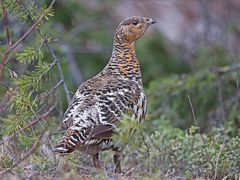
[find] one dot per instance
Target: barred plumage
(99, 104)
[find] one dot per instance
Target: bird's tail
(70, 141)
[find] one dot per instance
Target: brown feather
(102, 131)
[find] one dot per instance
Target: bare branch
(59, 69)
(72, 65)
(228, 68)
(4, 85)
(148, 152)
(236, 73)
(217, 160)
(221, 103)
(45, 94)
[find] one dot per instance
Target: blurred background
(190, 68)
(181, 41)
(189, 39)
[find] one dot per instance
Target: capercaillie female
(99, 103)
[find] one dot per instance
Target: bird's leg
(95, 159)
(117, 160)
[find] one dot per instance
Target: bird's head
(130, 29)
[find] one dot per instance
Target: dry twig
(59, 68)
(148, 152)
(196, 123)
(46, 94)
(217, 160)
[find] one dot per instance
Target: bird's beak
(150, 21)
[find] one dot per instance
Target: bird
(99, 104)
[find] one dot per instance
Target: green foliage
(174, 89)
(186, 154)
(5, 161)
(46, 12)
(168, 96)
(11, 124)
(125, 130)
(23, 106)
(29, 55)
(23, 103)
(18, 9)
(157, 59)
(25, 88)
(15, 9)
(33, 81)
(211, 57)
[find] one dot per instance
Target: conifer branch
(50, 49)
(33, 122)
(11, 47)
(9, 39)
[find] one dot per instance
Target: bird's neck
(124, 62)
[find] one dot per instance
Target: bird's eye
(135, 22)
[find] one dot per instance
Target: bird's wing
(84, 91)
(98, 112)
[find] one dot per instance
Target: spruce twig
(50, 49)
(33, 122)
(9, 38)
(12, 47)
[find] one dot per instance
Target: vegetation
(48, 48)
